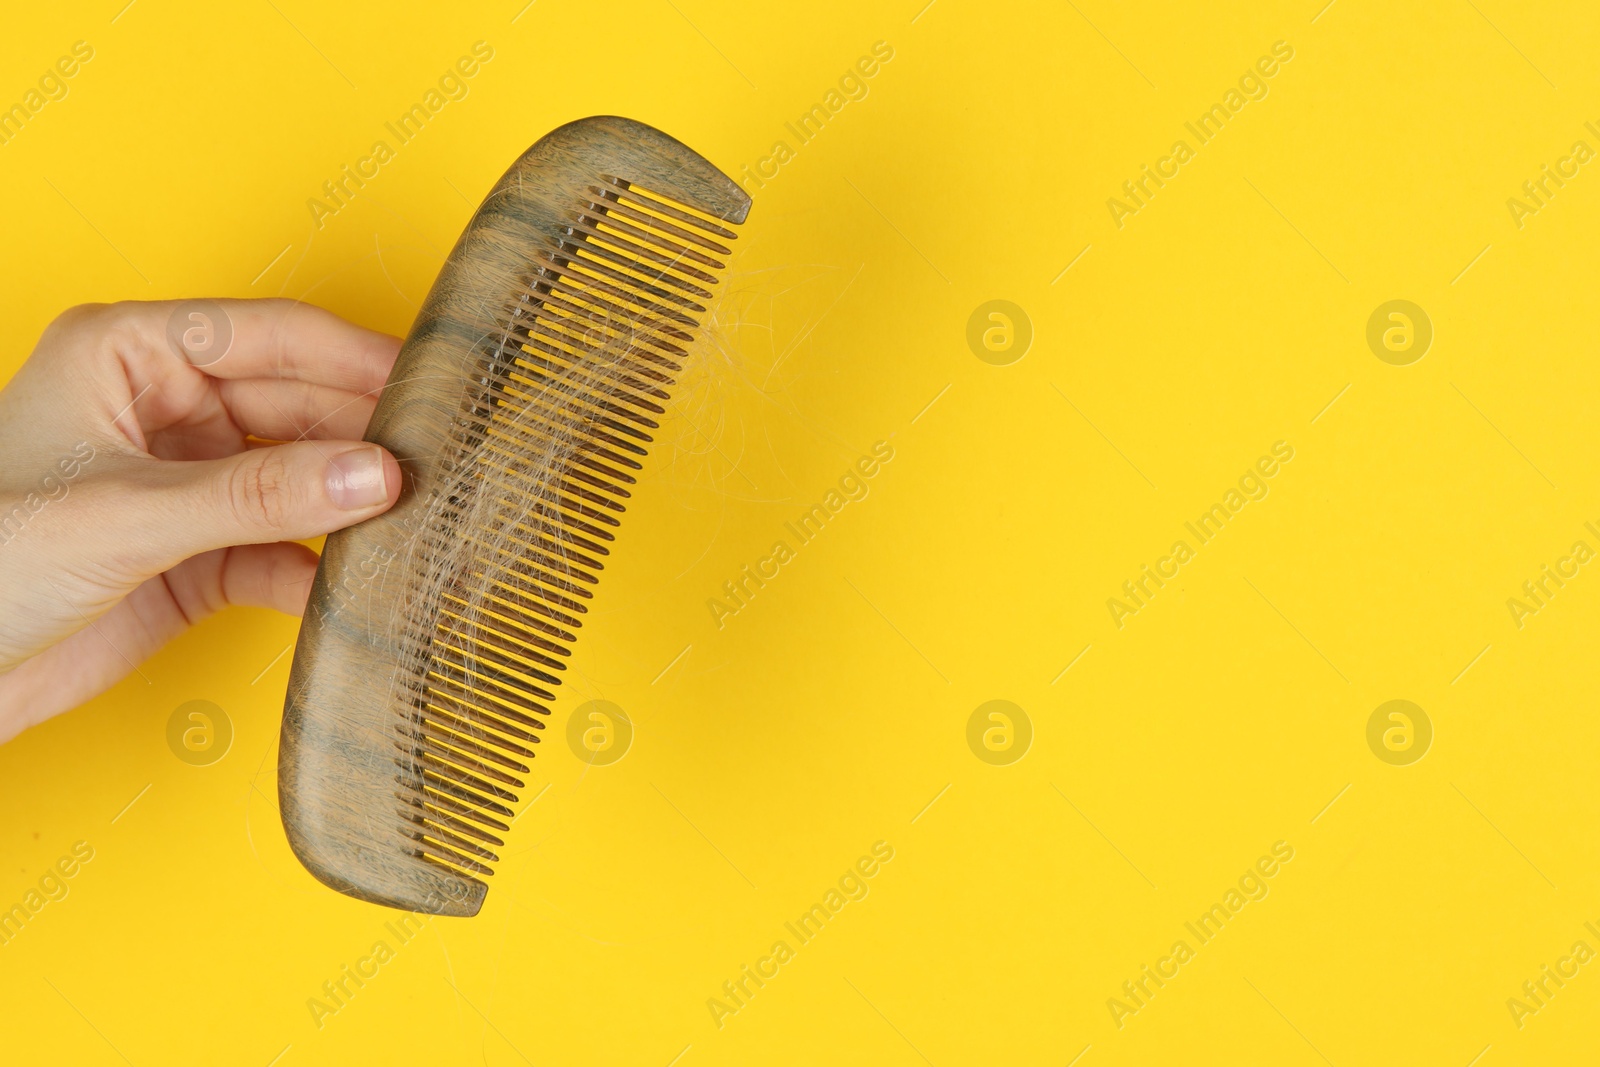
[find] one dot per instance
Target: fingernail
(355, 479)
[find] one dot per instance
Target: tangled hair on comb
(521, 408)
(508, 555)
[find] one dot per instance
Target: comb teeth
(563, 409)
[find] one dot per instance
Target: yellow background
(826, 715)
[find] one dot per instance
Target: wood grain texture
(396, 773)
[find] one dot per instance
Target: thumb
(286, 492)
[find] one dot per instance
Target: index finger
(235, 339)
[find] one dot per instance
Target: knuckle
(79, 314)
(84, 329)
(78, 319)
(258, 491)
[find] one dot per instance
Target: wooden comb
(520, 402)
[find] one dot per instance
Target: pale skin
(184, 505)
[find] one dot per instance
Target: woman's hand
(132, 502)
